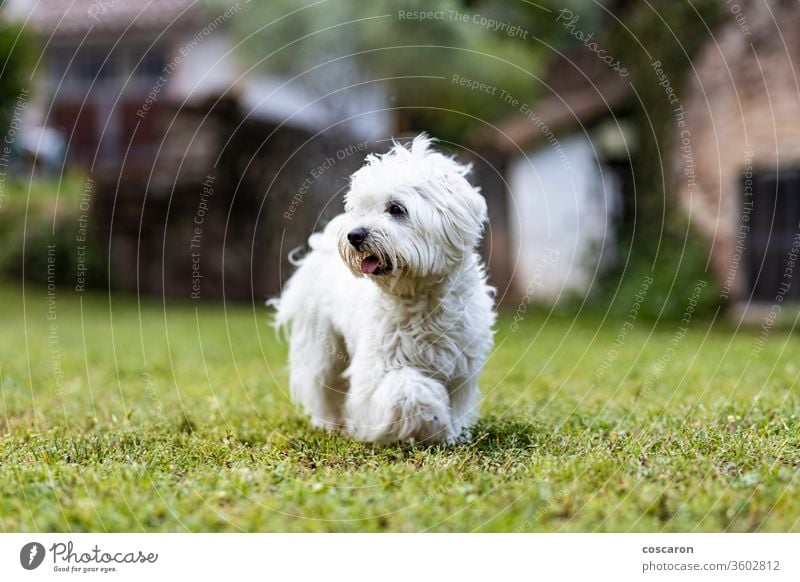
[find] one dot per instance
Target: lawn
(125, 416)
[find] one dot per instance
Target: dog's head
(412, 217)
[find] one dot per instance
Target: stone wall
(742, 106)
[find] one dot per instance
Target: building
(206, 172)
(743, 108)
(733, 165)
(565, 165)
(99, 61)
(109, 68)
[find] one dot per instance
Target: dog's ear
(457, 183)
(478, 204)
(469, 213)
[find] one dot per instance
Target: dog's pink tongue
(370, 265)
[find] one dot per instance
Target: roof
(578, 87)
(73, 17)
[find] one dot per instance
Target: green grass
(175, 417)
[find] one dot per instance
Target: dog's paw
(405, 406)
(326, 425)
(423, 421)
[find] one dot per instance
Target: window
(88, 67)
(152, 65)
(82, 69)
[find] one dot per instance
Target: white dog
(390, 315)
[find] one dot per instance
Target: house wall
(742, 111)
(90, 91)
(561, 218)
(221, 212)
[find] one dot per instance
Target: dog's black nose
(357, 237)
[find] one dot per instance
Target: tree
(440, 63)
(15, 57)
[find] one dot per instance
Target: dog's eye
(396, 209)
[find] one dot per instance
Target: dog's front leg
(400, 405)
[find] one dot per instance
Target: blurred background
(182, 149)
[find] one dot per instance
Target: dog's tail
(291, 301)
(286, 307)
(283, 305)
(294, 298)
(284, 313)
(281, 320)
(278, 323)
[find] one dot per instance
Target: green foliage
(670, 34)
(658, 242)
(154, 417)
(40, 225)
(411, 59)
(680, 283)
(15, 60)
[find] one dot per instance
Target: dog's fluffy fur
(390, 316)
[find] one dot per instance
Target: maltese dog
(389, 315)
